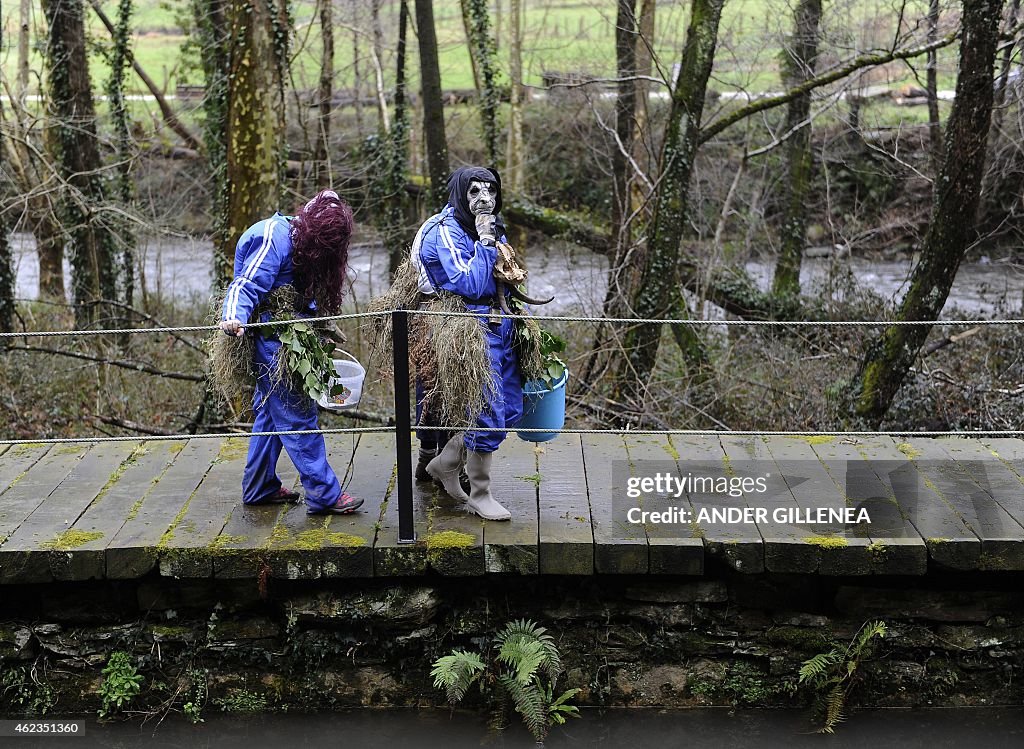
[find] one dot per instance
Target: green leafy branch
(305, 360)
(550, 346)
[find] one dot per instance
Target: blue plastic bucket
(543, 408)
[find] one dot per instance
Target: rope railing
(191, 436)
(990, 433)
(539, 318)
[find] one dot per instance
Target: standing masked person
(454, 251)
(296, 266)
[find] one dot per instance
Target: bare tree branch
(862, 61)
(135, 366)
(169, 116)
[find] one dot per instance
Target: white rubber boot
(447, 466)
(478, 466)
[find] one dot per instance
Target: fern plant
(831, 675)
(525, 670)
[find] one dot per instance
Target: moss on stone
(814, 439)
(668, 447)
(166, 632)
(449, 540)
(168, 535)
(826, 542)
(281, 538)
(223, 540)
(19, 450)
(71, 539)
(316, 538)
(802, 639)
(534, 478)
(233, 448)
(133, 511)
(909, 450)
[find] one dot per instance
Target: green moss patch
(826, 542)
(223, 540)
(233, 448)
(311, 540)
(909, 450)
(818, 439)
(71, 539)
(449, 540)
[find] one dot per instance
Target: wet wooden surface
(129, 509)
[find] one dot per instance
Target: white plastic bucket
(350, 375)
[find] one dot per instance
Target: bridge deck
(123, 510)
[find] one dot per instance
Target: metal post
(403, 431)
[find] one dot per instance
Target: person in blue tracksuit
(310, 252)
(454, 251)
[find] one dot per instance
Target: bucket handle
(334, 355)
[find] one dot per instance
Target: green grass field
(559, 35)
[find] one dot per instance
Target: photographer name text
(749, 515)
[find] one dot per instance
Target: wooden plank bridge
(123, 510)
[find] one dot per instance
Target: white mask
(482, 197)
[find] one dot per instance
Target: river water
(994, 728)
(179, 267)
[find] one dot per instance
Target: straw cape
(448, 351)
(232, 371)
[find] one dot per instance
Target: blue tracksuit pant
(283, 410)
(506, 408)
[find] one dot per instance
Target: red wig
(321, 235)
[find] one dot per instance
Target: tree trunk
(398, 152)
(625, 111)
(258, 56)
(498, 15)
(467, 26)
(514, 181)
(482, 51)
(49, 249)
(24, 32)
(7, 277)
(74, 117)
(644, 67)
(623, 272)
(952, 225)
(325, 94)
(798, 67)
(932, 89)
(433, 106)
(357, 76)
(120, 61)
(660, 292)
(215, 52)
(383, 122)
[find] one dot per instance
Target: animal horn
(528, 300)
(502, 301)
